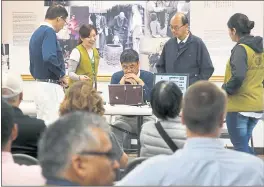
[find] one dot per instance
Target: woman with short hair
(166, 98)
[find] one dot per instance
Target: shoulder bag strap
(166, 137)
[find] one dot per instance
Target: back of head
(166, 98)
(204, 107)
(69, 135)
(55, 11)
(241, 23)
(82, 97)
(12, 86)
(128, 56)
(7, 123)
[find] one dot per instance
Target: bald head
(122, 15)
(180, 17)
(179, 25)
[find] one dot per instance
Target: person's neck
(184, 36)
(50, 22)
(7, 148)
(88, 48)
(196, 135)
(15, 104)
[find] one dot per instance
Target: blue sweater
(145, 76)
(46, 58)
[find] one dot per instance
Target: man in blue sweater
(47, 64)
(131, 75)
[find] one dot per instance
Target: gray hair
(69, 135)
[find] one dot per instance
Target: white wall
(258, 132)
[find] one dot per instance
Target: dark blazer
(145, 76)
(29, 132)
(192, 58)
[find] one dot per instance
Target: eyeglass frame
(176, 29)
(63, 20)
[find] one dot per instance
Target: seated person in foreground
(76, 151)
(203, 161)
(165, 100)
(29, 128)
(14, 174)
(131, 74)
(82, 97)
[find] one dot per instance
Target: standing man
(47, 64)
(185, 53)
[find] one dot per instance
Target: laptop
(180, 79)
(125, 94)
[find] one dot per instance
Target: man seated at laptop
(131, 74)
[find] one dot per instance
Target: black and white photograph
(159, 14)
(67, 46)
(120, 28)
(61, 2)
(5, 57)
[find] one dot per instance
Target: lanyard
(93, 70)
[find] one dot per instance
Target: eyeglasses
(109, 154)
(64, 20)
(175, 28)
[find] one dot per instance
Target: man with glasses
(47, 64)
(185, 53)
(76, 151)
(130, 74)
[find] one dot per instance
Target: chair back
(23, 159)
(133, 164)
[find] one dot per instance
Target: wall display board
(209, 22)
(141, 25)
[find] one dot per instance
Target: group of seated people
(81, 148)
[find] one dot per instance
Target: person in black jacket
(185, 53)
(29, 129)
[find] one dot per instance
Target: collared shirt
(47, 24)
(60, 182)
(19, 175)
(202, 162)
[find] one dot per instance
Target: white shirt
(185, 40)
(75, 54)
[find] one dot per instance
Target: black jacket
(193, 58)
(29, 131)
(238, 62)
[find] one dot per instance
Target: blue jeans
(240, 130)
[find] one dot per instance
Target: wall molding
(107, 78)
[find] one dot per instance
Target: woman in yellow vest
(84, 59)
(243, 83)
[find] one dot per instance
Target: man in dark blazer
(185, 53)
(131, 75)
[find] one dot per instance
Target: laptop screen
(180, 79)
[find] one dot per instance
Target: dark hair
(204, 105)
(56, 10)
(241, 23)
(7, 122)
(85, 31)
(129, 55)
(185, 19)
(165, 100)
